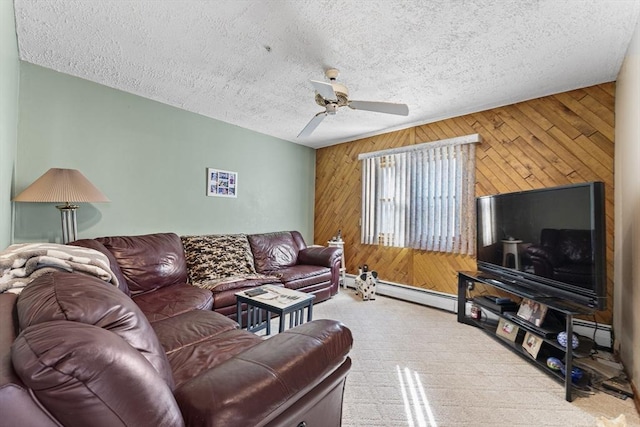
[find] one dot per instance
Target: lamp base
(69, 224)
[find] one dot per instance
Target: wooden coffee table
(275, 300)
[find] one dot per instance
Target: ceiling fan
(334, 95)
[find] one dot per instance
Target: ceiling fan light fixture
(342, 99)
(332, 74)
(334, 95)
(341, 91)
(332, 108)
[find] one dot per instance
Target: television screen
(552, 240)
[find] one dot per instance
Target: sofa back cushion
(113, 263)
(150, 261)
(86, 299)
(212, 257)
(273, 251)
(88, 376)
(298, 239)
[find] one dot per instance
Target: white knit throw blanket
(21, 263)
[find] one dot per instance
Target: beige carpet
(416, 366)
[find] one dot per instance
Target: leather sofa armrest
(319, 255)
(85, 375)
(274, 374)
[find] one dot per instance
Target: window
(421, 196)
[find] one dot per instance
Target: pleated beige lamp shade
(61, 186)
(68, 186)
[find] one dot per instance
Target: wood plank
(587, 152)
(509, 133)
(484, 178)
(599, 124)
(543, 143)
(577, 94)
(480, 190)
(510, 164)
(599, 109)
(439, 131)
(501, 169)
(488, 169)
(606, 99)
(535, 116)
(426, 134)
(447, 131)
(603, 144)
(570, 123)
(549, 176)
(469, 119)
(455, 127)
(609, 88)
(467, 129)
(556, 114)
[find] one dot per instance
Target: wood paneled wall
(556, 140)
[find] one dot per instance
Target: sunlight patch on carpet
(415, 400)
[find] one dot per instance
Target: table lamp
(63, 186)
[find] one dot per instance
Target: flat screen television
(549, 240)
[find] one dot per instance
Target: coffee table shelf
(276, 300)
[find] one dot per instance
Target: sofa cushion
(213, 257)
(273, 251)
(191, 327)
(173, 300)
(86, 299)
(113, 263)
(273, 372)
(66, 363)
(190, 361)
(150, 261)
(224, 295)
(199, 340)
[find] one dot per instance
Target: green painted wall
(150, 159)
(9, 84)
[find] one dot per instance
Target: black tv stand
(559, 317)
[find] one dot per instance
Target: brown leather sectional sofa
(77, 351)
(138, 263)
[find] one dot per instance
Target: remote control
(255, 292)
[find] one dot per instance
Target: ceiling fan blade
(380, 107)
(313, 124)
(324, 89)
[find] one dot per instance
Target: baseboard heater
(449, 303)
(426, 297)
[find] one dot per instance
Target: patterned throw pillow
(212, 257)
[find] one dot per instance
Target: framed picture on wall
(221, 183)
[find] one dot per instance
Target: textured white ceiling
(249, 62)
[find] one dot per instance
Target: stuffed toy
(366, 283)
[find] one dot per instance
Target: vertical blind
(421, 196)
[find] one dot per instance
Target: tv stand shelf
(559, 317)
